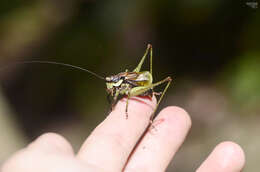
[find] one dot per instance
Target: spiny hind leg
(148, 93)
(136, 91)
(151, 59)
(157, 93)
(139, 66)
(168, 80)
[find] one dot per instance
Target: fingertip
(226, 157)
(169, 130)
(230, 155)
(51, 142)
(175, 113)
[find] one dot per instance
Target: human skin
(115, 145)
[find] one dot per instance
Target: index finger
(113, 140)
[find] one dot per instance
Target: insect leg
(139, 66)
(109, 101)
(127, 100)
(136, 91)
(168, 79)
(157, 93)
(126, 108)
(151, 60)
(114, 99)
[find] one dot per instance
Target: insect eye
(112, 79)
(108, 79)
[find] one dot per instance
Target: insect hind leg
(168, 80)
(136, 91)
(139, 66)
(148, 93)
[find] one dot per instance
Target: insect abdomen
(144, 78)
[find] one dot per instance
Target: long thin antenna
(59, 63)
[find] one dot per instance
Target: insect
(128, 83)
(135, 83)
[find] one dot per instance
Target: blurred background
(210, 48)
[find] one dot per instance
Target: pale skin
(111, 147)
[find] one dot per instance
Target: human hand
(111, 147)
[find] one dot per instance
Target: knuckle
(18, 162)
(51, 141)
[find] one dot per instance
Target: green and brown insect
(135, 83)
(129, 84)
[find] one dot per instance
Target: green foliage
(244, 79)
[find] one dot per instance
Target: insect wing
(128, 75)
(139, 78)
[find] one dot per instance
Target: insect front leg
(114, 99)
(109, 101)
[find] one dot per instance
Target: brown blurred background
(210, 48)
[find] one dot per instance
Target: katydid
(129, 84)
(135, 83)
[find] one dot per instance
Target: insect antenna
(57, 63)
